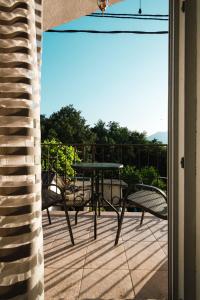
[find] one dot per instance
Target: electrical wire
(132, 15)
(106, 32)
(127, 17)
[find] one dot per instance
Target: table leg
(92, 190)
(95, 216)
(99, 208)
(100, 202)
(96, 202)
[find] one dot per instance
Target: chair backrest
(57, 179)
(53, 178)
(142, 186)
(47, 177)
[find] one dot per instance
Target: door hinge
(182, 162)
(183, 6)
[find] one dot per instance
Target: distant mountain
(160, 136)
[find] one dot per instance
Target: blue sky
(121, 78)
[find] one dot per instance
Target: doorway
(103, 80)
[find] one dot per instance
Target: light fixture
(140, 8)
(102, 4)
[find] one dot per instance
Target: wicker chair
(50, 198)
(76, 195)
(149, 199)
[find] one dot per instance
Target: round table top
(97, 166)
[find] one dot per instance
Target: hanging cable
(106, 32)
(140, 8)
(126, 17)
(132, 15)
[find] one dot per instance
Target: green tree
(138, 137)
(101, 132)
(113, 133)
(68, 126)
(117, 134)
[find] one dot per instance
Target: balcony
(59, 158)
(96, 269)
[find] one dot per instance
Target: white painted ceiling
(57, 12)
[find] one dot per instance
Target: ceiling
(57, 12)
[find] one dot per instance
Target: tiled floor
(135, 269)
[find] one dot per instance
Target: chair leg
(49, 217)
(142, 218)
(76, 217)
(120, 221)
(99, 209)
(69, 224)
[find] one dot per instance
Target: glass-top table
(97, 171)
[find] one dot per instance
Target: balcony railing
(138, 155)
(137, 159)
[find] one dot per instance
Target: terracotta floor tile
(80, 234)
(106, 228)
(154, 221)
(145, 255)
(103, 254)
(135, 217)
(106, 284)
(63, 254)
(160, 231)
(164, 246)
(62, 283)
(57, 230)
(133, 231)
(83, 220)
(150, 284)
(104, 267)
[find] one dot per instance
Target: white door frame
(173, 150)
(184, 134)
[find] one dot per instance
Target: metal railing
(58, 158)
(138, 155)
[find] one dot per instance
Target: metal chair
(76, 195)
(149, 199)
(50, 198)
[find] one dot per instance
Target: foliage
(58, 157)
(148, 175)
(159, 183)
(68, 126)
(131, 176)
(113, 133)
(101, 132)
(151, 176)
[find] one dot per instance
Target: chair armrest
(163, 178)
(151, 188)
(46, 186)
(81, 178)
